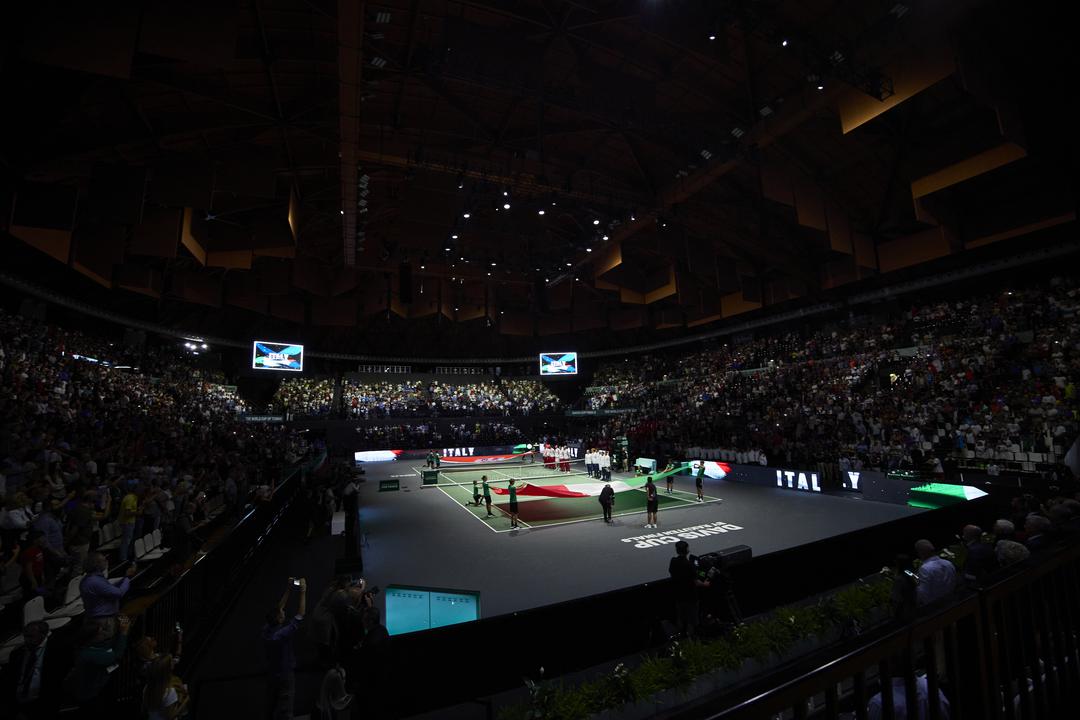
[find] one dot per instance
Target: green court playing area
(541, 511)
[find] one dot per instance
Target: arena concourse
(542, 360)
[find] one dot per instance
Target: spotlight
(712, 37)
(568, 264)
(595, 222)
(422, 267)
(446, 249)
(586, 250)
(492, 264)
(489, 274)
(783, 43)
(633, 219)
(506, 206)
(466, 215)
(505, 193)
(539, 212)
(820, 86)
(605, 237)
(341, 211)
(454, 236)
(204, 346)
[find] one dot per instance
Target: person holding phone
(279, 637)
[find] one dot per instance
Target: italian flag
(576, 490)
(480, 459)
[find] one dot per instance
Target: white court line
(462, 506)
(708, 501)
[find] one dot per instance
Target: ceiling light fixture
(466, 215)
(595, 222)
(712, 37)
(506, 206)
(539, 212)
(605, 237)
(783, 43)
(454, 236)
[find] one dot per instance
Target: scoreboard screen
(564, 363)
(267, 355)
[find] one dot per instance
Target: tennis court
(548, 497)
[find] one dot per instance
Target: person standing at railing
(280, 638)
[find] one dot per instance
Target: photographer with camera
(280, 638)
(684, 585)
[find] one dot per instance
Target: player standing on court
(652, 503)
(513, 504)
(487, 495)
(699, 481)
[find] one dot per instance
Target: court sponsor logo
(670, 537)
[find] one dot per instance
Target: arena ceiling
(488, 176)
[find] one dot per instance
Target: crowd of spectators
(453, 434)
(384, 399)
(91, 440)
(416, 398)
(968, 381)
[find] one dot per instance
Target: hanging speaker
(405, 283)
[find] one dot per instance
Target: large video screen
(558, 363)
(277, 356)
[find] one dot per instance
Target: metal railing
(199, 597)
(1008, 650)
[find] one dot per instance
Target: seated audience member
(1037, 530)
(980, 560)
(1004, 530)
(1010, 552)
(31, 681)
(334, 702)
(165, 696)
(95, 653)
(900, 709)
(937, 577)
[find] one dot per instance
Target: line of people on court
(598, 464)
(557, 457)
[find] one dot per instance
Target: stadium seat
(156, 540)
(34, 610)
(73, 604)
(110, 537)
(144, 555)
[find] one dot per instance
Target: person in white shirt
(605, 466)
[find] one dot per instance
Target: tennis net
(501, 473)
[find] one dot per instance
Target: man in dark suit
(607, 499)
(1037, 529)
(980, 560)
(31, 681)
